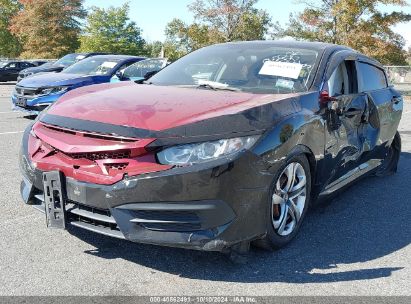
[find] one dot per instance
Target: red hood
(153, 107)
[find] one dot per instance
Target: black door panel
(345, 139)
(385, 109)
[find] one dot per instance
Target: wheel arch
(302, 132)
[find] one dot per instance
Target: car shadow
(370, 220)
(29, 117)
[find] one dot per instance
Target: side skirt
(350, 177)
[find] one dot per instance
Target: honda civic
(227, 146)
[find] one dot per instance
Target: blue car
(33, 94)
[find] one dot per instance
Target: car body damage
(138, 165)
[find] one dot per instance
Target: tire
(390, 163)
(278, 208)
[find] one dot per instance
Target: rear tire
(390, 163)
(288, 202)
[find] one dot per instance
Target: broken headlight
(190, 154)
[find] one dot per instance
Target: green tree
(110, 30)
(216, 21)
(153, 49)
(48, 28)
(9, 44)
(233, 19)
(183, 38)
(355, 23)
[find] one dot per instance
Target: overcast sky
(153, 15)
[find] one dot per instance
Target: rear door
(385, 108)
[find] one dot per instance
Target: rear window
(371, 78)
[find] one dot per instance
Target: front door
(346, 122)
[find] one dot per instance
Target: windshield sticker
(281, 69)
(284, 83)
(108, 64)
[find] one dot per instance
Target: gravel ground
(356, 244)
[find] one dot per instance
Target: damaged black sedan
(228, 145)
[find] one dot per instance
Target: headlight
(53, 90)
(202, 152)
(28, 74)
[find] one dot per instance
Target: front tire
(289, 200)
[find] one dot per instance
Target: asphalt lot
(356, 244)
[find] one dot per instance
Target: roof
(318, 46)
(120, 57)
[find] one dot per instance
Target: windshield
(69, 60)
(256, 68)
(140, 69)
(93, 66)
(2, 64)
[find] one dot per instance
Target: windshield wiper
(216, 86)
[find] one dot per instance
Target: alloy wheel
(289, 199)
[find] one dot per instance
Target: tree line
(52, 28)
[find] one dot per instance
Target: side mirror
(120, 75)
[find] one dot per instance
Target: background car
(35, 93)
(141, 70)
(9, 70)
(41, 62)
(56, 66)
(218, 162)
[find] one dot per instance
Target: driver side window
(12, 65)
(343, 80)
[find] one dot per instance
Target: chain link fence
(400, 77)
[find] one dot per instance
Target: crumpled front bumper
(206, 207)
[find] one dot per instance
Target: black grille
(86, 217)
(90, 215)
(93, 156)
(118, 166)
(177, 221)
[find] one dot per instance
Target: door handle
(396, 99)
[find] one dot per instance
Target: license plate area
(54, 199)
(21, 102)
